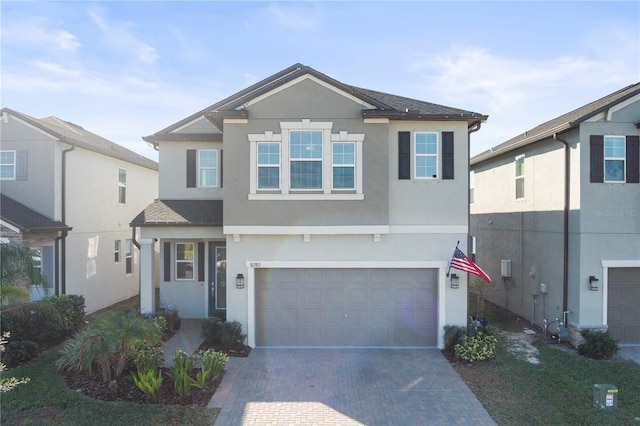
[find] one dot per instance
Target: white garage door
(623, 308)
(346, 307)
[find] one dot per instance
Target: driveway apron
(345, 387)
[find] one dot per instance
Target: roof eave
(412, 115)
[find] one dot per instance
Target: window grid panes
(269, 165)
(122, 186)
(519, 176)
(614, 158)
(208, 168)
(426, 157)
(7, 165)
(128, 256)
(305, 154)
(116, 251)
(184, 261)
(344, 165)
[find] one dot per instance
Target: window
(7, 165)
(344, 165)
(519, 177)
(426, 153)
(305, 155)
(122, 186)
(116, 251)
(208, 168)
(128, 256)
(37, 261)
(614, 158)
(268, 165)
(472, 185)
(184, 261)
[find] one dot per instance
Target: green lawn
(558, 390)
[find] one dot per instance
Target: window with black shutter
(191, 168)
(447, 155)
(167, 262)
(633, 159)
(596, 158)
(404, 155)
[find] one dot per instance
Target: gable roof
(383, 104)
(560, 124)
(26, 219)
(180, 213)
(71, 133)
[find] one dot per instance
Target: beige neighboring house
(313, 212)
(561, 204)
(70, 194)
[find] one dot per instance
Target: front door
(217, 277)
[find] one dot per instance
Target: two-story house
(561, 204)
(70, 195)
(316, 213)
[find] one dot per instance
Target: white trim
(15, 164)
(188, 124)
(376, 121)
(429, 229)
(306, 197)
(192, 261)
(606, 264)
(251, 265)
(302, 230)
(235, 121)
(617, 107)
(11, 227)
(31, 126)
(437, 155)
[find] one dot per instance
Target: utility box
(605, 396)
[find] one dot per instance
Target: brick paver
(345, 387)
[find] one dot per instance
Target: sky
(127, 69)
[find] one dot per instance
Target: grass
(558, 390)
(46, 399)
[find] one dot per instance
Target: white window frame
(269, 165)
(117, 249)
(186, 261)
(519, 176)
(343, 165)
(285, 192)
(320, 160)
(201, 168)
(128, 256)
(428, 155)
(614, 158)
(122, 186)
(13, 164)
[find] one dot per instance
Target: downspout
(63, 266)
(567, 191)
(471, 129)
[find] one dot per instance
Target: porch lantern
(455, 281)
(593, 283)
(239, 281)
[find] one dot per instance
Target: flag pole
(454, 252)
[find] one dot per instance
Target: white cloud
(36, 31)
(296, 16)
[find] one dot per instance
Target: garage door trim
(606, 264)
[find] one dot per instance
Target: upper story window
(306, 162)
(7, 165)
(208, 168)
(426, 155)
(519, 176)
(184, 261)
(122, 186)
(614, 158)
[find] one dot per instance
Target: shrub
(71, 309)
(598, 345)
(231, 336)
(172, 319)
(8, 383)
(147, 355)
(37, 322)
(211, 330)
(477, 348)
(179, 372)
(148, 381)
(453, 335)
(213, 362)
(221, 314)
(19, 351)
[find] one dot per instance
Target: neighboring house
(316, 213)
(70, 194)
(562, 203)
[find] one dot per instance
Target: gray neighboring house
(561, 202)
(314, 212)
(70, 194)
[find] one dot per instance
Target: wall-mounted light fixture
(455, 281)
(593, 283)
(239, 281)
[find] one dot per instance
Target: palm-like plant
(17, 268)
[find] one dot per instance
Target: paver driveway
(345, 387)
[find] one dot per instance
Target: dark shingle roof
(26, 219)
(73, 134)
(560, 124)
(383, 104)
(180, 212)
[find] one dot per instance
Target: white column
(147, 291)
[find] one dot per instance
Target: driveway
(345, 387)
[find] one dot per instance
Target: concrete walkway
(187, 338)
(345, 387)
(631, 352)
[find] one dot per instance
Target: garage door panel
(623, 314)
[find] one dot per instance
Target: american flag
(463, 263)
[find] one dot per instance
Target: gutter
(63, 266)
(567, 192)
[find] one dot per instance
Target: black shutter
(447, 155)
(596, 156)
(221, 169)
(21, 164)
(201, 261)
(191, 168)
(633, 159)
(404, 155)
(167, 261)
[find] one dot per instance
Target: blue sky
(126, 69)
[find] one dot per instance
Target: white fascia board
(376, 121)
(302, 230)
(184, 126)
(10, 226)
(631, 263)
(429, 229)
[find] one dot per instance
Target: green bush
(211, 330)
(18, 352)
(477, 348)
(172, 319)
(37, 322)
(148, 381)
(71, 309)
(231, 336)
(453, 335)
(598, 345)
(147, 355)
(220, 313)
